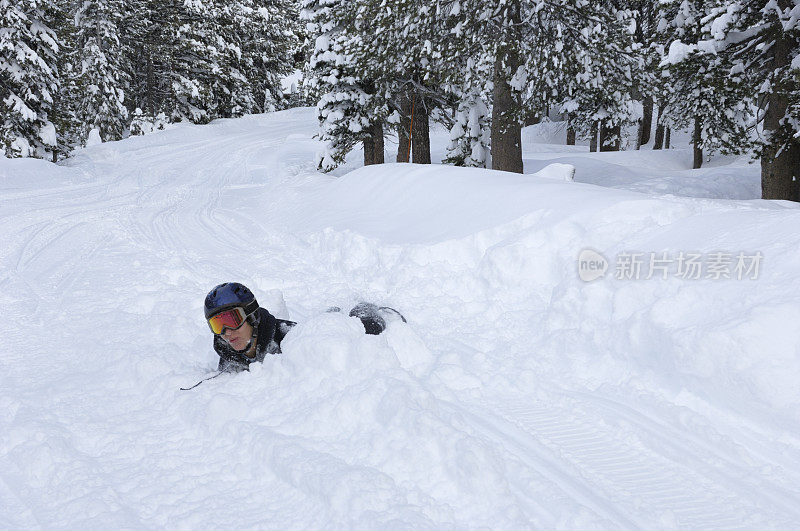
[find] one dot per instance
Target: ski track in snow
(466, 430)
(643, 465)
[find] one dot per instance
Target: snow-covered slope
(518, 395)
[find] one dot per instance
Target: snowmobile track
(579, 447)
(531, 451)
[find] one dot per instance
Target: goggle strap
(250, 307)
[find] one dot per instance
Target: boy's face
(238, 338)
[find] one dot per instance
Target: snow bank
(506, 237)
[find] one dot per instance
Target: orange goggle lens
(233, 319)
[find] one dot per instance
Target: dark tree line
(484, 68)
(78, 71)
(73, 71)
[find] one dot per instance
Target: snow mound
(507, 237)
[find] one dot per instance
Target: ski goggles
(232, 318)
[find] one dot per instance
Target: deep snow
(518, 395)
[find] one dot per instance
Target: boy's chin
(243, 347)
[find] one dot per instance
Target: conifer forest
(621, 74)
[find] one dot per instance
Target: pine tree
(147, 43)
(761, 39)
(264, 42)
(470, 134)
(202, 60)
(404, 57)
(28, 78)
(650, 82)
(65, 99)
(195, 61)
(175, 54)
(601, 72)
(100, 69)
(577, 54)
(348, 106)
(701, 90)
(465, 69)
(493, 31)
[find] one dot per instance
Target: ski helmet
(229, 295)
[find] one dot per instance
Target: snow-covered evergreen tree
(147, 43)
(701, 90)
(28, 78)
(601, 68)
(470, 134)
(100, 69)
(762, 41)
(403, 55)
(65, 99)
(500, 31)
(649, 84)
(195, 70)
(199, 60)
(234, 90)
(546, 52)
(261, 46)
(348, 107)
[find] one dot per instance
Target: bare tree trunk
(420, 133)
(667, 137)
(778, 166)
(617, 133)
(646, 125)
(377, 138)
(779, 173)
(570, 132)
(405, 126)
(696, 141)
(369, 150)
(609, 138)
(149, 98)
(658, 141)
(373, 145)
(151, 82)
(601, 143)
(593, 140)
(506, 129)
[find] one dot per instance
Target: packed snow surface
(518, 395)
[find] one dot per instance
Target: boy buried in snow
(245, 332)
